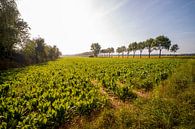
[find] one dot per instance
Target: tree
(134, 48)
(119, 50)
(149, 44)
(40, 49)
(13, 30)
(110, 50)
(15, 43)
(123, 50)
(95, 47)
(29, 52)
(174, 48)
(129, 49)
(36, 51)
(162, 42)
(141, 46)
(51, 53)
(23, 32)
(103, 51)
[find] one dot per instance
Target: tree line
(159, 43)
(15, 42)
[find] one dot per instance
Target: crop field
(51, 94)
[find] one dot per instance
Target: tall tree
(95, 47)
(162, 42)
(141, 46)
(40, 49)
(36, 51)
(110, 50)
(174, 48)
(149, 44)
(29, 52)
(13, 30)
(119, 50)
(103, 51)
(129, 49)
(123, 50)
(134, 48)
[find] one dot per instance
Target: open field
(73, 92)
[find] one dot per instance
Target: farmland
(52, 94)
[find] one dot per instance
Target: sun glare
(69, 23)
(81, 21)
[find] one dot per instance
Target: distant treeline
(87, 54)
(159, 43)
(16, 47)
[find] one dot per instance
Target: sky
(73, 25)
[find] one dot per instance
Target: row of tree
(15, 42)
(159, 43)
(108, 50)
(36, 51)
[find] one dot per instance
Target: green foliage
(125, 93)
(149, 43)
(121, 49)
(36, 51)
(162, 42)
(108, 50)
(13, 30)
(172, 108)
(45, 96)
(174, 48)
(15, 45)
(134, 47)
(141, 46)
(95, 47)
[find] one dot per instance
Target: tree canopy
(150, 44)
(13, 30)
(174, 48)
(159, 43)
(15, 42)
(140, 47)
(95, 47)
(162, 42)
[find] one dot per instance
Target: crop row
(45, 96)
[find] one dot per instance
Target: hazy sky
(74, 24)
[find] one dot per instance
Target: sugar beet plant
(48, 95)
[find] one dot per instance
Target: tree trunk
(127, 54)
(140, 55)
(149, 54)
(160, 53)
(149, 51)
(133, 54)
